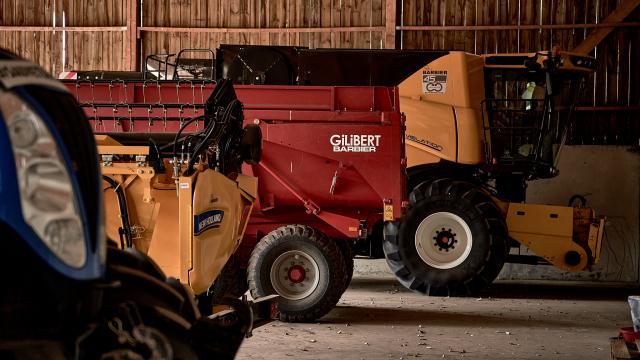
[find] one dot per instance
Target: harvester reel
(452, 242)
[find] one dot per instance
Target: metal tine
(193, 93)
(116, 111)
(110, 95)
(126, 94)
(150, 119)
(180, 112)
(152, 113)
(178, 88)
(97, 121)
(164, 110)
(78, 85)
(195, 110)
(159, 92)
(144, 94)
(122, 89)
(129, 110)
(145, 84)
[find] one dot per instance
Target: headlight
(49, 204)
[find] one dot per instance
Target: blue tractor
(66, 293)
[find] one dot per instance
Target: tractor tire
(346, 249)
(231, 282)
(451, 242)
(303, 266)
(144, 294)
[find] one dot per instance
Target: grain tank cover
(289, 65)
(346, 67)
(258, 64)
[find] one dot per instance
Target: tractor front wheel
(452, 242)
(303, 266)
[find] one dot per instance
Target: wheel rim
(294, 275)
(443, 240)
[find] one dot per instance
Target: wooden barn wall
(82, 50)
(261, 14)
(615, 84)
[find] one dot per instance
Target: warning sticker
(434, 81)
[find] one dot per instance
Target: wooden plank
(301, 20)
(359, 16)
(335, 20)
(235, 15)
(131, 42)
(378, 17)
(328, 15)
(621, 12)
(118, 45)
(185, 20)
(619, 349)
(390, 13)
(468, 18)
(169, 30)
(436, 28)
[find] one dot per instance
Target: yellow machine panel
(452, 104)
(548, 231)
(190, 232)
(217, 203)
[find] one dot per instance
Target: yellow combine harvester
(478, 129)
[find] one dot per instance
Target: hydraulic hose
(124, 214)
(225, 118)
(175, 139)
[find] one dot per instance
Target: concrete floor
(378, 319)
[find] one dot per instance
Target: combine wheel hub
(443, 240)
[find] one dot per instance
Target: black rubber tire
(231, 282)
(346, 249)
(330, 270)
(489, 247)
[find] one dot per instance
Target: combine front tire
(453, 240)
(303, 266)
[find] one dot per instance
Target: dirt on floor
(378, 319)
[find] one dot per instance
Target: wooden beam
(390, 24)
(616, 16)
(609, 108)
(518, 27)
(60, 28)
(131, 53)
(262, 30)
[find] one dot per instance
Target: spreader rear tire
(303, 266)
(346, 249)
(452, 242)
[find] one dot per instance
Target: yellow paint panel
(547, 230)
(123, 150)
